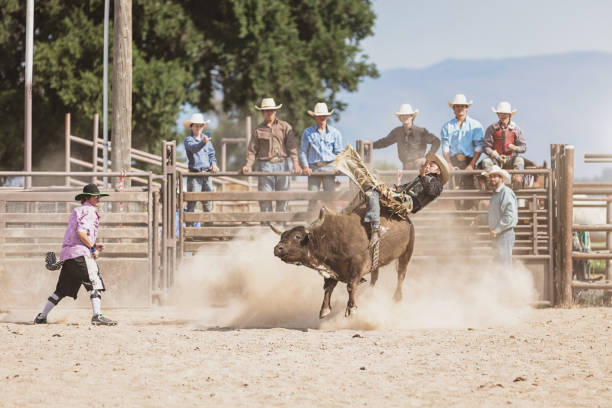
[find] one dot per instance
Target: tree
(184, 51)
(300, 52)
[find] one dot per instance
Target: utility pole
(29, 58)
(122, 91)
(105, 94)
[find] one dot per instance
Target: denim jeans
(515, 163)
(503, 243)
(321, 183)
(273, 183)
(195, 185)
(373, 201)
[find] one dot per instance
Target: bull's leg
(329, 286)
(351, 306)
(402, 266)
(358, 269)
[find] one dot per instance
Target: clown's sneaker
(100, 320)
(39, 319)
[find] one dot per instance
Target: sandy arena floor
(243, 331)
(554, 357)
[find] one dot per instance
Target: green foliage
(184, 51)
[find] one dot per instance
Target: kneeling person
(77, 258)
(414, 196)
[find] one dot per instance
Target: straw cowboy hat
(442, 164)
(460, 99)
(320, 109)
(498, 170)
(406, 109)
(268, 104)
(197, 118)
(90, 190)
(504, 107)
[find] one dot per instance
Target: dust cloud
(247, 287)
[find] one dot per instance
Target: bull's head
(293, 245)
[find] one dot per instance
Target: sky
(416, 34)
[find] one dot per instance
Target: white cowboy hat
(196, 118)
(406, 109)
(320, 109)
(268, 104)
(498, 170)
(442, 164)
(504, 107)
(460, 99)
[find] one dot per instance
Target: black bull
(337, 246)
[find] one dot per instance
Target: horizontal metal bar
(72, 173)
(594, 227)
(591, 255)
(592, 285)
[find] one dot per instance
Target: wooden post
(247, 129)
(554, 213)
(94, 158)
(150, 253)
(67, 148)
(122, 90)
(223, 155)
(2, 227)
(567, 220)
(608, 294)
(29, 62)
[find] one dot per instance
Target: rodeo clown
(77, 258)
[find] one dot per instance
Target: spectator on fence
(503, 141)
(272, 144)
(411, 140)
(78, 258)
(321, 143)
(503, 214)
(201, 159)
(462, 139)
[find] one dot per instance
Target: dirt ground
(244, 331)
(551, 357)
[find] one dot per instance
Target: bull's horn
(275, 229)
(319, 221)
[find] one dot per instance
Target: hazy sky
(415, 34)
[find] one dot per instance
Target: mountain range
(562, 98)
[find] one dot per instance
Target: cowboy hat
(499, 171)
(406, 109)
(268, 104)
(320, 109)
(196, 118)
(90, 190)
(442, 164)
(460, 99)
(504, 107)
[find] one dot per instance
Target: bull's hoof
(397, 296)
(324, 312)
(350, 311)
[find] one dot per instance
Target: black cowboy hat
(90, 190)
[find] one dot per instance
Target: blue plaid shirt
(467, 139)
(320, 146)
(200, 156)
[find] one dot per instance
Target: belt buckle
(274, 160)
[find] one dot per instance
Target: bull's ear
(306, 238)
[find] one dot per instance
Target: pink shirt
(85, 219)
